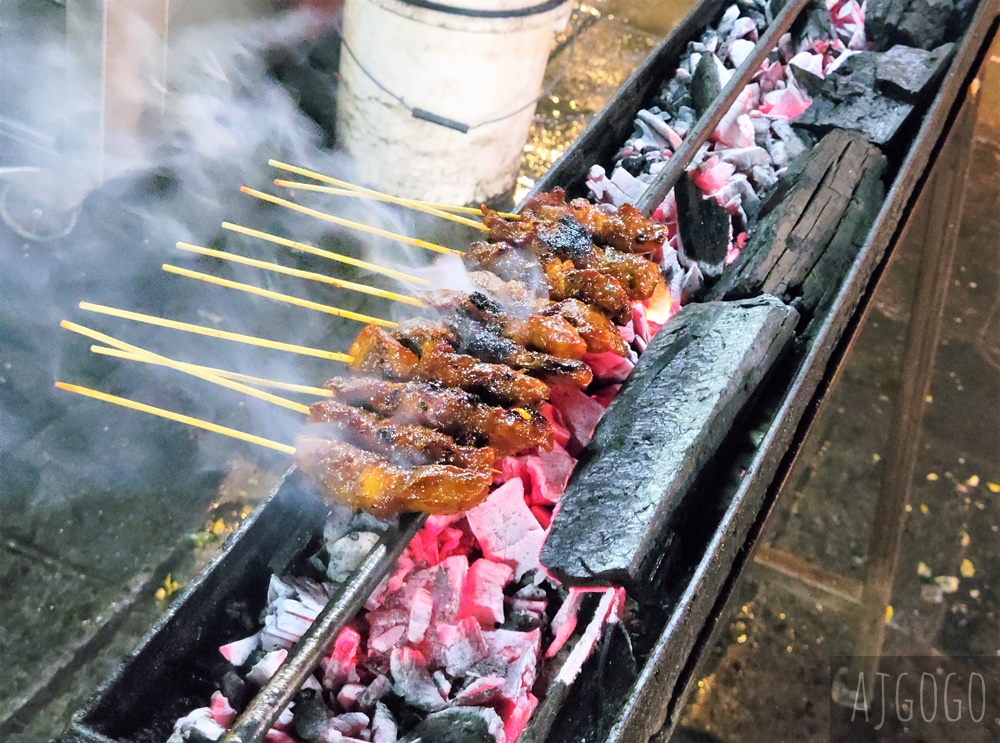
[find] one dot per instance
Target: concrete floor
(97, 512)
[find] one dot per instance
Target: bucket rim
(530, 10)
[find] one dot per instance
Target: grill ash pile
(462, 639)
(752, 145)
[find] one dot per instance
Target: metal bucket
(415, 73)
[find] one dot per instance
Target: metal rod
(261, 714)
(667, 178)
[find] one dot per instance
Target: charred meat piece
(404, 445)
(375, 352)
(486, 342)
(498, 383)
(452, 411)
(564, 240)
(599, 333)
(505, 260)
(590, 286)
(623, 228)
(510, 292)
(550, 334)
(362, 479)
(438, 362)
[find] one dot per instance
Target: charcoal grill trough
(704, 495)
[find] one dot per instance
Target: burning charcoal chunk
(705, 84)
(349, 724)
(506, 528)
(197, 727)
(919, 23)
(615, 515)
(413, 682)
(384, 728)
(704, 227)
(794, 146)
(906, 73)
(266, 666)
(348, 696)
(234, 689)
(238, 652)
(458, 725)
(347, 553)
(463, 646)
(311, 715)
(377, 689)
(482, 595)
(745, 158)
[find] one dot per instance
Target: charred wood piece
(908, 74)
(921, 23)
(812, 228)
(848, 99)
(704, 226)
(669, 418)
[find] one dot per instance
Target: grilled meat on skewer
(590, 286)
(485, 342)
(597, 331)
(452, 411)
(550, 334)
(562, 279)
(363, 479)
(403, 445)
(376, 351)
(624, 228)
(533, 250)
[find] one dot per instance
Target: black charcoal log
(669, 418)
(907, 73)
(850, 99)
(705, 84)
(458, 725)
(811, 227)
(919, 23)
(704, 226)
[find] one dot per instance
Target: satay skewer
(179, 417)
(350, 223)
(192, 369)
(375, 196)
(214, 333)
(248, 378)
(308, 275)
(313, 250)
(278, 296)
(345, 184)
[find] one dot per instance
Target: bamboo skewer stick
(359, 193)
(278, 297)
(192, 369)
(305, 248)
(248, 378)
(309, 275)
(213, 333)
(180, 418)
(344, 184)
(348, 222)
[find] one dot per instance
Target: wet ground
(100, 525)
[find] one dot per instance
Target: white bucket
(470, 61)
